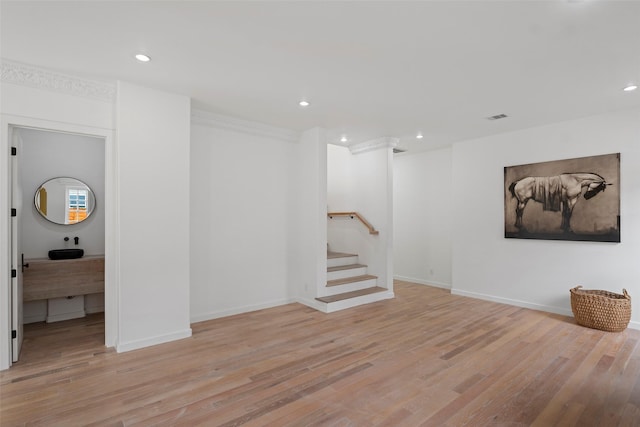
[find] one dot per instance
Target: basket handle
(626, 294)
(576, 288)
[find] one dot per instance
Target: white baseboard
(148, 342)
(239, 310)
(517, 303)
(424, 282)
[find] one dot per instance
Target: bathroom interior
(61, 231)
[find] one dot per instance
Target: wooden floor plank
(424, 358)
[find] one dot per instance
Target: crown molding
(206, 118)
(29, 75)
(374, 144)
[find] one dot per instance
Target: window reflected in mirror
(64, 200)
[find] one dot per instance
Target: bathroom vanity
(63, 283)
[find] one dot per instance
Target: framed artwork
(572, 199)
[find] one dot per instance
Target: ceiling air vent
(497, 117)
(398, 150)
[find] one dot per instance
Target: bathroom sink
(66, 253)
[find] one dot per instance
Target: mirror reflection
(64, 200)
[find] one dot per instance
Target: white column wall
(308, 235)
(240, 221)
(539, 273)
(153, 139)
(423, 217)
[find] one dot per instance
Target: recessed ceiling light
(142, 57)
(419, 136)
(344, 138)
(303, 103)
(630, 88)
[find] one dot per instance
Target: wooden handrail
(356, 215)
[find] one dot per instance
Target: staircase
(348, 284)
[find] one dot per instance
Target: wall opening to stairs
(359, 264)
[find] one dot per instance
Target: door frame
(111, 289)
(17, 256)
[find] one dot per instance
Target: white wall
(538, 273)
(340, 179)
(153, 138)
(46, 155)
(240, 221)
(55, 106)
(423, 217)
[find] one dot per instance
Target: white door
(16, 253)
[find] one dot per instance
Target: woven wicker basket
(602, 310)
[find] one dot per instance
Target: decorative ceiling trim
(206, 118)
(374, 144)
(28, 75)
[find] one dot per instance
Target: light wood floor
(425, 358)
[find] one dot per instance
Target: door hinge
(14, 335)
(14, 212)
(14, 273)
(14, 151)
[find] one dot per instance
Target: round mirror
(65, 200)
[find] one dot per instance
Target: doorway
(43, 154)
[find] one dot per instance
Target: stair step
(345, 271)
(348, 295)
(354, 279)
(335, 259)
(342, 285)
(331, 255)
(345, 267)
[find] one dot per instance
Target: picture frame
(572, 199)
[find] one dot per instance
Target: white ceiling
(369, 69)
